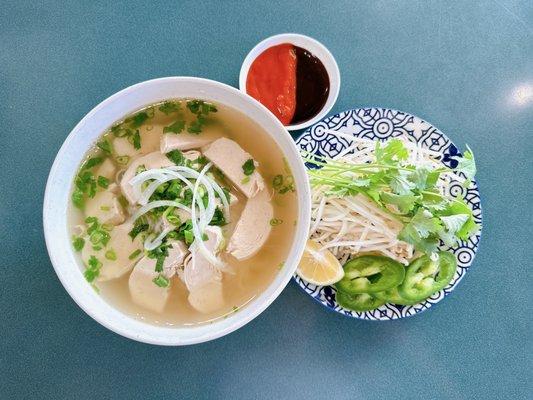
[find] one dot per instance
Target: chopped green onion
(93, 269)
(105, 208)
(77, 198)
(189, 237)
(103, 182)
(277, 182)
(245, 180)
(173, 219)
(111, 255)
(105, 146)
(107, 227)
(123, 160)
(275, 222)
(136, 140)
(140, 168)
(78, 243)
(161, 281)
(134, 255)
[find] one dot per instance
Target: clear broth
(252, 276)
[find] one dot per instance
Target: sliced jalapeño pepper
(359, 302)
(370, 274)
(425, 276)
(394, 297)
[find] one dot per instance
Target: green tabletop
(467, 67)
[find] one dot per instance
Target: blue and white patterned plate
(382, 123)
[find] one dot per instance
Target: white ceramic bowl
(318, 50)
(69, 267)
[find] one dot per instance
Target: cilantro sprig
(407, 192)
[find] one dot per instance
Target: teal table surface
(465, 66)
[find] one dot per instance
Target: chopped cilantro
(248, 167)
(136, 140)
(277, 182)
(105, 146)
(176, 157)
(195, 127)
(137, 120)
(176, 127)
(169, 107)
(218, 218)
(92, 162)
(138, 228)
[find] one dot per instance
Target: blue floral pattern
(381, 124)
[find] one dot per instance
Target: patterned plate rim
(380, 128)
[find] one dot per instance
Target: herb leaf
(161, 281)
(169, 107)
(137, 140)
(218, 218)
(93, 269)
(78, 243)
(176, 157)
(248, 167)
(138, 228)
(176, 127)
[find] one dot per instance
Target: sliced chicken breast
(229, 157)
(143, 290)
(183, 141)
(149, 161)
(122, 246)
(202, 280)
(106, 207)
(253, 228)
(107, 169)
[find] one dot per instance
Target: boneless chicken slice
(107, 169)
(143, 290)
(106, 207)
(149, 161)
(185, 141)
(253, 228)
(229, 157)
(123, 247)
(202, 279)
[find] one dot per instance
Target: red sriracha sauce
(272, 81)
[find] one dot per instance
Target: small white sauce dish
(314, 47)
(68, 265)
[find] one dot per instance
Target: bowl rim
(236, 320)
(310, 44)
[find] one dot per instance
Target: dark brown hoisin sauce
(312, 86)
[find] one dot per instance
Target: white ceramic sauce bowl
(68, 264)
(314, 47)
